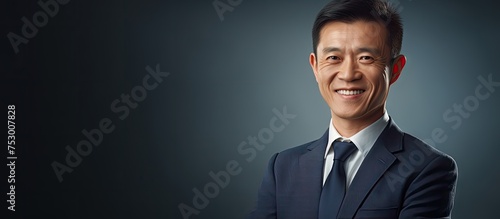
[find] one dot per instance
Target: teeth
(350, 92)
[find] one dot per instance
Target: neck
(347, 127)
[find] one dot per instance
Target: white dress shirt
(364, 141)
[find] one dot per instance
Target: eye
(334, 59)
(366, 59)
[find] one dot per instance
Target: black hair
(367, 10)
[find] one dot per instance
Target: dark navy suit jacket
(401, 177)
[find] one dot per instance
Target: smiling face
(352, 68)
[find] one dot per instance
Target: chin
(350, 115)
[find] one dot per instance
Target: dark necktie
(334, 189)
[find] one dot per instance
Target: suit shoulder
(414, 145)
(297, 150)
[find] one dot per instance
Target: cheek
(379, 76)
(381, 90)
(380, 85)
(325, 83)
(326, 74)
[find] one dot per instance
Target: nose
(348, 71)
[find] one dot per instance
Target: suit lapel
(310, 165)
(378, 160)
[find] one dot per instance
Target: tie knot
(343, 150)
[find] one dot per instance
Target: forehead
(357, 33)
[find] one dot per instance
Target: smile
(350, 92)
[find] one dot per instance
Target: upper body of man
(388, 173)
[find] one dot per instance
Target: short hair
(367, 10)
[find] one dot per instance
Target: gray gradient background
(226, 77)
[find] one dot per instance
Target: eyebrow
(374, 51)
(331, 49)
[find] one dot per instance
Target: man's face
(352, 70)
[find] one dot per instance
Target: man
(364, 166)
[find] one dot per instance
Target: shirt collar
(364, 139)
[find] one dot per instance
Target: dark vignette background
(226, 77)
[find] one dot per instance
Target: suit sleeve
(266, 200)
(432, 192)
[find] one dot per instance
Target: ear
(397, 67)
(314, 63)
